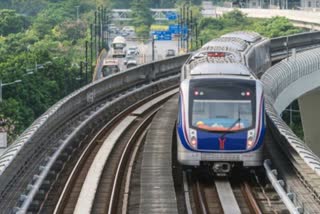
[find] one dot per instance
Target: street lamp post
(6, 84)
(153, 38)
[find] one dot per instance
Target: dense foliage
(141, 17)
(42, 48)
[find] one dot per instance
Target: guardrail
(75, 103)
(276, 80)
(279, 187)
(281, 46)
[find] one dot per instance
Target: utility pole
(196, 28)
(101, 26)
(180, 29)
(86, 63)
(91, 48)
(78, 13)
(187, 48)
(95, 33)
(80, 74)
(183, 24)
(107, 29)
(191, 29)
(153, 43)
(99, 30)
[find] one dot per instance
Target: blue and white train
(221, 119)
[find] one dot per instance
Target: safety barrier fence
(281, 88)
(281, 47)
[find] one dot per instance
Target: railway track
(207, 194)
(105, 164)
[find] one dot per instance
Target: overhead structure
(157, 14)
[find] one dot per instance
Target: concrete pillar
(310, 117)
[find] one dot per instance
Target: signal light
(248, 93)
(216, 54)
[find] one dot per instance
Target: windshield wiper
(230, 127)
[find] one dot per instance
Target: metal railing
(276, 80)
(281, 47)
(287, 198)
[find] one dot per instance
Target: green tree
(276, 26)
(141, 14)
(11, 22)
(141, 17)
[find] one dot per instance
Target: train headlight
(250, 139)
(193, 135)
(194, 142)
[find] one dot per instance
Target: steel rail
(186, 192)
(154, 99)
(254, 207)
(124, 158)
(126, 193)
(201, 198)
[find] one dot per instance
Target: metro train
(221, 117)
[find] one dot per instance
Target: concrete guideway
(157, 193)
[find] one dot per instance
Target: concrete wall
(309, 110)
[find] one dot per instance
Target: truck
(110, 66)
(118, 47)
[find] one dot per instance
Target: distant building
(310, 4)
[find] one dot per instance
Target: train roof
(218, 66)
(212, 50)
(230, 42)
(244, 35)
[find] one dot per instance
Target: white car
(132, 63)
(133, 51)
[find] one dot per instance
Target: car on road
(133, 51)
(170, 53)
(129, 58)
(132, 63)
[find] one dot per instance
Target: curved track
(104, 198)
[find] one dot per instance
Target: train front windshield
(222, 105)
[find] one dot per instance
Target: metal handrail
(278, 186)
(276, 80)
